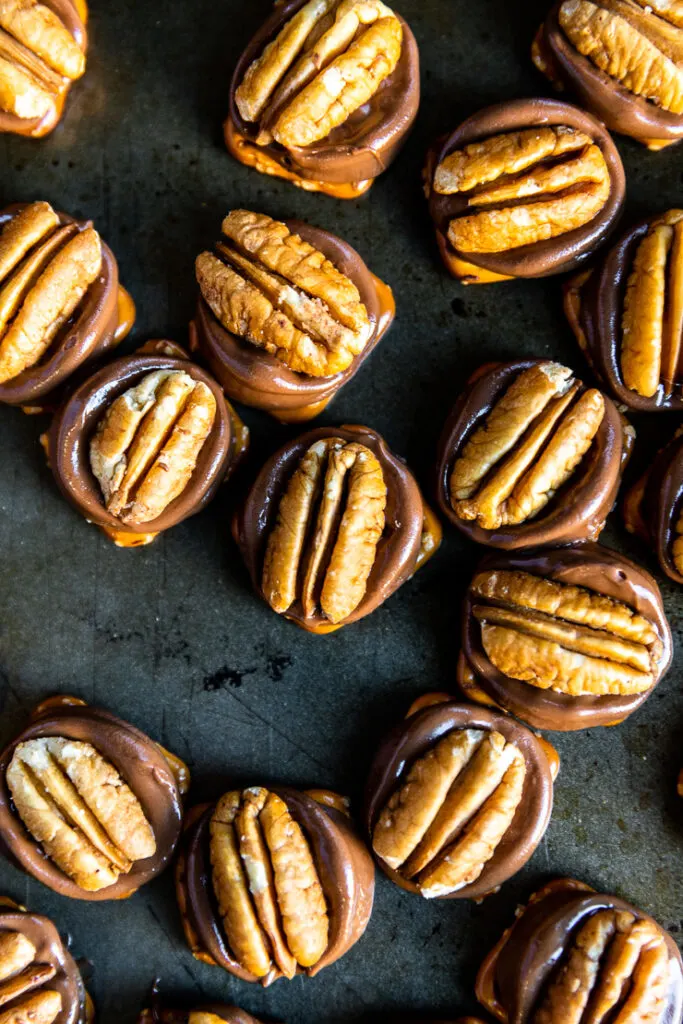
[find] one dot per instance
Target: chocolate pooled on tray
(42, 52)
(622, 60)
(525, 188)
(458, 799)
(333, 525)
(61, 304)
(272, 883)
(531, 456)
(325, 94)
(581, 956)
(627, 315)
(89, 805)
(286, 314)
(564, 638)
(144, 443)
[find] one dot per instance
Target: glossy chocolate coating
(555, 255)
(412, 738)
(37, 127)
(540, 938)
(74, 424)
(585, 565)
(367, 142)
(91, 331)
(50, 950)
(399, 544)
(577, 511)
(143, 767)
(344, 867)
(230, 1014)
(252, 376)
(600, 320)
(620, 109)
(662, 503)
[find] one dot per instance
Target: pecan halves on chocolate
(561, 637)
(652, 321)
(146, 446)
(445, 822)
(270, 287)
(22, 978)
(40, 1008)
(330, 520)
(76, 804)
(327, 61)
(38, 28)
(43, 304)
(642, 52)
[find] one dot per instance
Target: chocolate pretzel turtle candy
(272, 883)
(40, 982)
(574, 956)
(627, 315)
(458, 799)
(531, 456)
(564, 638)
(325, 94)
(653, 508)
(42, 52)
(333, 524)
(526, 188)
(207, 1013)
(286, 314)
(144, 443)
(61, 303)
(622, 60)
(89, 805)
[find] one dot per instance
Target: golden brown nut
(326, 62)
(331, 517)
(270, 287)
(146, 446)
(523, 187)
(266, 884)
(40, 56)
(76, 804)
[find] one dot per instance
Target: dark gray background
(170, 636)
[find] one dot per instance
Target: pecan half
(77, 806)
(45, 271)
(323, 546)
(632, 44)
(38, 57)
(444, 823)
(327, 61)
(270, 287)
(530, 444)
(266, 883)
(563, 637)
(617, 969)
(652, 320)
(146, 446)
(22, 981)
(523, 187)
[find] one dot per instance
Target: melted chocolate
(414, 737)
(367, 142)
(50, 950)
(578, 510)
(540, 938)
(90, 333)
(252, 376)
(399, 545)
(344, 867)
(37, 127)
(662, 503)
(75, 422)
(159, 1015)
(141, 764)
(555, 255)
(586, 565)
(621, 110)
(600, 314)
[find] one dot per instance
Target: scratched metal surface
(170, 636)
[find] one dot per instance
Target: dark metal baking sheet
(170, 636)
